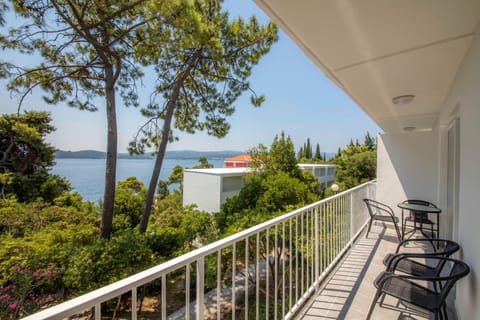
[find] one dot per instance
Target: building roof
(242, 157)
(220, 171)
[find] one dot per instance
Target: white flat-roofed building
(210, 188)
(325, 173)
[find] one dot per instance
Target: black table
(419, 209)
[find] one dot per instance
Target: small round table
(418, 208)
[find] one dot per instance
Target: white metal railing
(270, 269)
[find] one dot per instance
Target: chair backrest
(377, 208)
(450, 248)
(458, 270)
(436, 246)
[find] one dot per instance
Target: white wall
(203, 190)
(464, 102)
(407, 167)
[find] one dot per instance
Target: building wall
(407, 167)
(231, 186)
(463, 103)
(203, 190)
(415, 165)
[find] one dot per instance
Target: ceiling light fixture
(409, 129)
(401, 100)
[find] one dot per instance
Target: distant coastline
(174, 154)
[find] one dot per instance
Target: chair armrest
(392, 265)
(390, 275)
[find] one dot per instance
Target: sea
(87, 176)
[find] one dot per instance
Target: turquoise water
(87, 176)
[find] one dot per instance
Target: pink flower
(18, 269)
(37, 273)
(6, 296)
(48, 273)
(13, 305)
(10, 286)
(46, 299)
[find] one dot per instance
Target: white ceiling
(378, 49)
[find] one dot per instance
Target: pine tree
(203, 65)
(369, 142)
(318, 155)
(300, 153)
(308, 150)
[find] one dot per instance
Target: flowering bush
(28, 290)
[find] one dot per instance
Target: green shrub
(107, 261)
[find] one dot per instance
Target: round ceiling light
(409, 129)
(401, 100)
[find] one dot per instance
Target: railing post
(200, 286)
(317, 248)
(134, 303)
(98, 311)
(352, 232)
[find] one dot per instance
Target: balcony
(311, 263)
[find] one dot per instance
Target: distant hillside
(177, 154)
(84, 154)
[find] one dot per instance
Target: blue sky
(300, 101)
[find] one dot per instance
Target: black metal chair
(420, 218)
(408, 288)
(381, 212)
(413, 263)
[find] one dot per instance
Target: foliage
(104, 262)
(280, 158)
(356, 164)
(175, 229)
(305, 153)
(20, 219)
(33, 235)
(26, 158)
(162, 189)
(176, 176)
(29, 290)
(129, 200)
(203, 164)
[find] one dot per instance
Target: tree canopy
(356, 164)
(25, 158)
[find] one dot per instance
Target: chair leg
(443, 310)
(382, 299)
(398, 231)
(369, 227)
(374, 302)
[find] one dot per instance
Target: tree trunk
(167, 124)
(111, 161)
